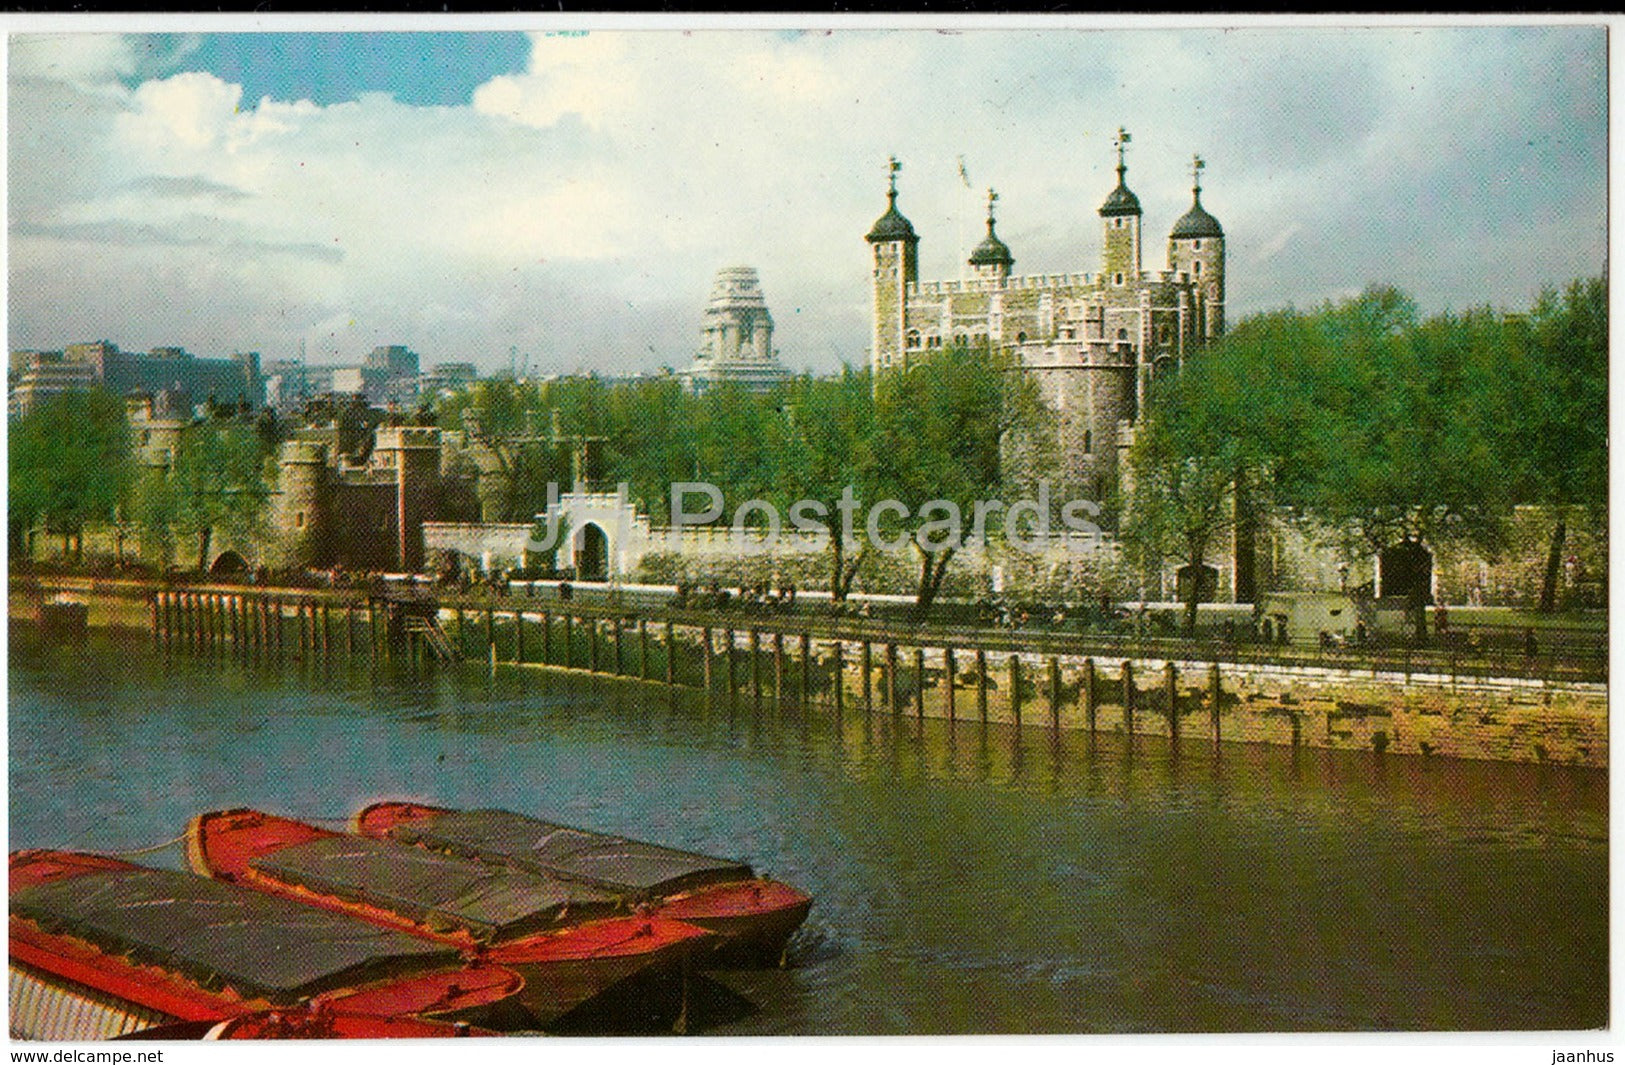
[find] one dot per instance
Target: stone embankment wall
(1428, 715)
(1497, 719)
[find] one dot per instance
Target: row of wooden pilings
(261, 623)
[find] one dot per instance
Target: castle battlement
(977, 284)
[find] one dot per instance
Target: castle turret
(1120, 214)
(300, 506)
(414, 452)
(896, 266)
(1196, 251)
(991, 260)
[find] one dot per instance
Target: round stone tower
(896, 267)
(1196, 253)
(299, 510)
(1120, 215)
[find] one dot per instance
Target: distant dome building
(736, 341)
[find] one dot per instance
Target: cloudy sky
(570, 195)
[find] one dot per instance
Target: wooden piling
(891, 679)
(728, 662)
(919, 682)
(490, 629)
(806, 665)
(643, 649)
(981, 684)
(778, 666)
(569, 640)
(1054, 692)
(1128, 697)
(1215, 696)
(615, 627)
(590, 625)
(1170, 679)
(349, 629)
(1015, 687)
(866, 664)
(547, 637)
(756, 667)
(705, 657)
(840, 680)
(1087, 691)
(671, 653)
(948, 678)
(519, 637)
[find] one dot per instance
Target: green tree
(1192, 452)
(70, 464)
(830, 430)
(1555, 375)
(217, 485)
(940, 433)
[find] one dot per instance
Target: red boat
(103, 949)
(754, 915)
(571, 943)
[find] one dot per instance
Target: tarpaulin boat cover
(224, 936)
(612, 862)
(444, 892)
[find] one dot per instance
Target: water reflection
(968, 877)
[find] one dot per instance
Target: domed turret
(1196, 254)
(1196, 222)
(1121, 201)
(1120, 214)
(892, 225)
(895, 251)
(992, 258)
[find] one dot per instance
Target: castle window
(1021, 338)
(1088, 442)
(299, 520)
(913, 339)
(1117, 223)
(1197, 267)
(1117, 279)
(1122, 334)
(1196, 245)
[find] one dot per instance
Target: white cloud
(577, 210)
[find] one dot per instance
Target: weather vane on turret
(992, 198)
(1121, 141)
(894, 166)
(1197, 166)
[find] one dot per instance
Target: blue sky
(570, 195)
(422, 69)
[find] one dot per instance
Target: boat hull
(69, 981)
(754, 917)
(564, 969)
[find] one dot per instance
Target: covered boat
(572, 943)
(101, 948)
(755, 915)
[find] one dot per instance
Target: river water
(965, 879)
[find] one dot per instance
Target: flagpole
(964, 187)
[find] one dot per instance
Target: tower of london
(1095, 341)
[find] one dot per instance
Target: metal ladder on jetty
(435, 636)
